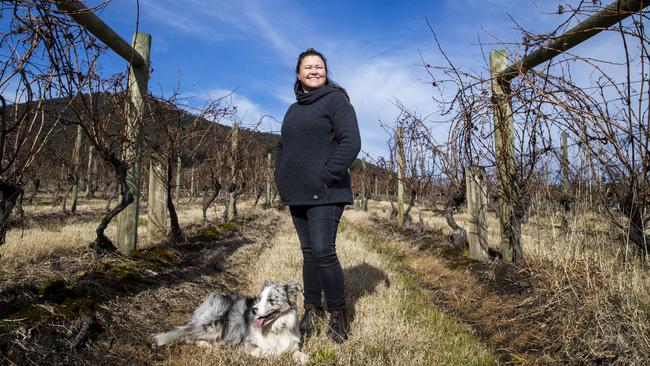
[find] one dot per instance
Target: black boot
(309, 318)
(338, 326)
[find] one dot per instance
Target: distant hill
(200, 137)
(58, 149)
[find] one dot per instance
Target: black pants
(321, 271)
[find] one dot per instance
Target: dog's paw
(300, 358)
(204, 344)
(256, 352)
(277, 327)
(159, 339)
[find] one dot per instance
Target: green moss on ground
(32, 314)
(213, 233)
(162, 255)
(71, 309)
(78, 307)
(123, 270)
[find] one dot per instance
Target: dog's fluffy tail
(181, 334)
(206, 323)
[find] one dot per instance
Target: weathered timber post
(89, 173)
(565, 162)
(401, 163)
(376, 191)
(511, 250)
(192, 187)
(17, 144)
(364, 193)
(157, 212)
(127, 220)
(565, 200)
(179, 170)
(269, 179)
(231, 208)
(477, 203)
(76, 164)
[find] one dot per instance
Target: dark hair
(312, 52)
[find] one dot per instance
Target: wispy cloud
(266, 29)
(374, 85)
(171, 15)
(259, 41)
(219, 21)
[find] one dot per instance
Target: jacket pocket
(300, 181)
(280, 179)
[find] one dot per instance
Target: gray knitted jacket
(318, 143)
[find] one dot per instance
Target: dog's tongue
(259, 322)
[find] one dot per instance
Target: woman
(318, 143)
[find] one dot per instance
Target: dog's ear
(265, 285)
(293, 289)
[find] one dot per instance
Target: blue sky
(213, 47)
(210, 48)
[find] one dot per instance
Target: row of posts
(477, 202)
(475, 179)
(127, 221)
(475, 176)
(137, 54)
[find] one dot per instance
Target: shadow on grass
(361, 280)
(54, 221)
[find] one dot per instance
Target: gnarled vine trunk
(9, 194)
(210, 194)
(459, 235)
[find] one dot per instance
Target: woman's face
(312, 74)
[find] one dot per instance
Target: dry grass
(394, 324)
(583, 304)
(127, 298)
(572, 302)
(48, 233)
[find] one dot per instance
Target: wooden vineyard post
(400, 177)
(157, 212)
(364, 189)
(477, 202)
(127, 220)
(76, 165)
(269, 177)
(231, 208)
(507, 192)
(179, 170)
(565, 200)
(376, 191)
(192, 184)
(565, 163)
(90, 181)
